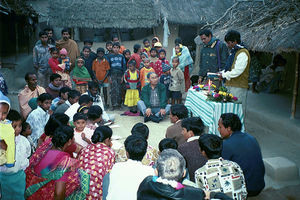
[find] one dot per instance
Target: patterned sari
(41, 185)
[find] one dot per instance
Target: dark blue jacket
(243, 149)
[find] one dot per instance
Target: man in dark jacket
(153, 103)
(167, 184)
(243, 149)
(213, 55)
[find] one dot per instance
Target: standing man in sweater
(237, 66)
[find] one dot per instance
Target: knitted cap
(165, 67)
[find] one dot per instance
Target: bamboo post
(119, 35)
(197, 57)
(17, 41)
(296, 86)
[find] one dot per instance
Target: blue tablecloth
(210, 111)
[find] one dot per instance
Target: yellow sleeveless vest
(242, 80)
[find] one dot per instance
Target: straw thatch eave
(17, 7)
(103, 14)
(191, 12)
(270, 27)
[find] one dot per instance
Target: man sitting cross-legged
(153, 103)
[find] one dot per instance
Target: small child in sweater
(143, 57)
(65, 65)
(101, 70)
(7, 137)
(153, 55)
(165, 79)
(177, 82)
(82, 135)
(12, 180)
(26, 132)
(147, 46)
(162, 60)
(81, 76)
(144, 72)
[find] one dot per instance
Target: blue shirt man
(243, 149)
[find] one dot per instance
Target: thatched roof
(133, 13)
(192, 12)
(18, 7)
(103, 13)
(270, 27)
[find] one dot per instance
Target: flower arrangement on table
(220, 94)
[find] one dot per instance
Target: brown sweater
(193, 157)
(175, 132)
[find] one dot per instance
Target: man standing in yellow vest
(237, 67)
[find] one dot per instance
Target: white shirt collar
(193, 138)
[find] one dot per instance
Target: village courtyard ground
(267, 119)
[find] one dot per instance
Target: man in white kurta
(125, 177)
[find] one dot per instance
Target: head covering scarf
(4, 99)
(81, 73)
(63, 51)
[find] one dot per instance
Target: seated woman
(271, 77)
(53, 174)
(99, 165)
(170, 171)
(55, 120)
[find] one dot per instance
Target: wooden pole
(17, 41)
(296, 86)
(197, 57)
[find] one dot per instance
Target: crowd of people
(60, 145)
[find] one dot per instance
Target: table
(210, 111)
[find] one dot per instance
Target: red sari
(97, 160)
(46, 167)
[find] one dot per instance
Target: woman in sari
(97, 159)
(53, 174)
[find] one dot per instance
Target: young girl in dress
(133, 85)
(60, 64)
(157, 66)
(81, 76)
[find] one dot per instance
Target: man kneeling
(153, 103)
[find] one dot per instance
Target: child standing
(109, 48)
(137, 50)
(157, 66)
(144, 72)
(81, 76)
(26, 132)
(40, 116)
(117, 69)
(12, 180)
(132, 81)
(177, 82)
(82, 135)
(127, 55)
(153, 55)
(147, 46)
(101, 69)
(143, 57)
(165, 79)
